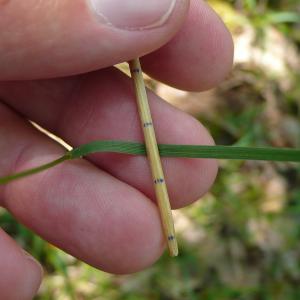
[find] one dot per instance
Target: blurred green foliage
(242, 240)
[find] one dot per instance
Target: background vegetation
(242, 240)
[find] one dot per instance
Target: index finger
(200, 55)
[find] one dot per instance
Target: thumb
(40, 39)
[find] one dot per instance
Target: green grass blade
(29, 172)
(230, 152)
(109, 146)
(192, 151)
(183, 151)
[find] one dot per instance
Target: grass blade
(38, 169)
(184, 151)
(192, 151)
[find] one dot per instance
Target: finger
(199, 56)
(20, 275)
(76, 206)
(102, 106)
(53, 38)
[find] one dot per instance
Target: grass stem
(154, 157)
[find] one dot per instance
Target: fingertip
(217, 56)
(199, 57)
(136, 239)
(140, 244)
(214, 48)
(21, 274)
(32, 282)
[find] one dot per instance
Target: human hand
(101, 210)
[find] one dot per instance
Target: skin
(101, 210)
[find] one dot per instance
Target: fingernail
(133, 14)
(33, 280)
(31, 260)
